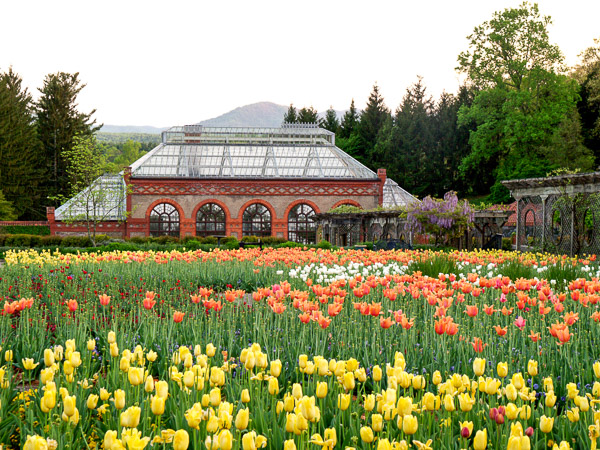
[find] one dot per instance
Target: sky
(171, 63)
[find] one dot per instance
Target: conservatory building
(238, 182)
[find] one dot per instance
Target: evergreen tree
(308, 115)
(371, 122)
(291, 116)
(330, 121)
(7, 212)
(349, 122)
(59, 122)
(19, 148)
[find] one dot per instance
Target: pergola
(487, 226)
(559, 214)
(349, 228)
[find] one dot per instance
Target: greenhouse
(206, 181)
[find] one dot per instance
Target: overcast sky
(178, 62)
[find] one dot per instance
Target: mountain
(262, 114)
(131, 129)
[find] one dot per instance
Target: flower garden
(298, 349)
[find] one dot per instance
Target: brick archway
(347, 202)
(228, 219)
(286, 214)
(275, 222)
(173, 203)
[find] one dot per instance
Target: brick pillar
(51, 219)
(128, 201)
(382, 175)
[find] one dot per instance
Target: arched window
(256, 221)
(164, 220)
(210, 220)
(301, 227)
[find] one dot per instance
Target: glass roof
(106, 203)
(292, 151)
(394, 195)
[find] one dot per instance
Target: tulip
(119, 399)
(546, 424)
(242, 418)
(550, 399)
(69, 403)
(210, 350)
(410, 424)
(35, 443)
(157, 405)
(502, 369)
(377, 373)
(377, 422)
(321, 389)
(273, 386)
(480, 440)
(181, 440)
(369, 402)
(366, 434)
(573, 415)
(429, 401)
(225, 440)
(404, 406)
(151, 356)
(511, 392)
(437, 377)
(104, 394)
(348, 381)
(215, 396)
(532, 368)
(48, 401)
(130, 418)
(596, 368)
(135, 375)
(479, 366)
(178, 316)
(289, 445)
(449, 403)
(114, 350)
(276, 368)
(343, 401)
(466, 402)
(194, 416)
(92, 401)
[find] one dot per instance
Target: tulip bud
(69, 404)
(119, 399)
(242, 418)
(366, 434)
(157, 405)
(321, 389)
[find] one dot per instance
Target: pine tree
(291, 116)
(372, 120)
(7, 212)
(330, 121)
(308, 115)
(349, 122)
(19, 148)
(59, 122)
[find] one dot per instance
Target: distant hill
(262, 114)
(131, 129)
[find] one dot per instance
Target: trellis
(558, 214)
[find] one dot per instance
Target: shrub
(273, 240)
(325, 245)
(506, 243)
(209, 240)
(231, 244)
(18, 240)
(76, 241)
(51, 241)
(228, 239)
(251, 239)
(3, 239)
(192, 245)
(25, 229)
(165, 240)
(289, 244)
(138, 240)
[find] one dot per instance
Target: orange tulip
(386, 322)
(104, 299)
(178, 316)
(72, 305)
(472, 310)
(478, 345)
(500, 331)
(149, 302)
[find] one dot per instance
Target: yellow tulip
(92, 401)
(275, 368)
(377, 373)
(518, 380)
(343, 401)
(466, 402)
(369, 402)
(273, 386)
(321, 389)
(377, 422)
(248, 441)
(91, 344)
(546, 424)
(418, 382)
(48, 401)
(194, 416)
(297, 391)
(511, 392)
(572, 391)
(114, 350)
(181, 440)
(550, 399)
(548, 384)
(28, 364)
(573, 415)
(596, 367)
(48, 357)
(532, 368)
(449, 403)
(135, 375)
(225, 440)
(149, 384)
(429, 401)
(242, 418)
(162, 388)
(69, 403)
(404, 406)
(119, 399)
(130, 418)
(502, 370)
(75, 359)
(46, 375)
(410, 424)
(104, 394)
(215, 396)
(437, 377)
(348, 381)
(525, 412)
(210, 350)
(366, 434)
(518, 443)
(479, 366)
(289, 445)
(157, 405)
(512, 411)
(480, 440)
(35, 443)
(124, 364)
